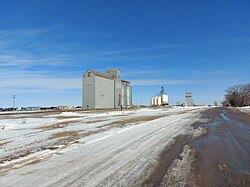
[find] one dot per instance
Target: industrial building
(160, 99)
(105, 90)
(188, 99)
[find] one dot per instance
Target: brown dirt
(170, 153)
(15, 156)
(95, 121)
(66, 117)
(20, 117)
(64, 134)
(20, 163)
(222, 155)
(4, 143)
(124, 122)
(59, 125)
(241, 115)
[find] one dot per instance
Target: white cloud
(44, 83)
(168, 82)
(138, 49)
(25, 60)
(232, 40)
(29, 32)
(20, 81)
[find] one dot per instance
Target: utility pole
(141, 102)
(14, 97)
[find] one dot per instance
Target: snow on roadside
(179, 170)
(66, 114)
(245, 109)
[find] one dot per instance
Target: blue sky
(198, 46)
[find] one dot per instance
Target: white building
(161, 99)
(105, 90)
(188, 99)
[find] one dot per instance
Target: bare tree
(237, 96)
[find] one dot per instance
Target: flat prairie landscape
(182, 146)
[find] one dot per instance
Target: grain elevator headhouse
(105, 90)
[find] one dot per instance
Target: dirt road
(223, 154)
(176, 147)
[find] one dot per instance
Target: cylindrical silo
(128, 96)
(155, 101)
(152, 101)
(165, 99)
(159, 100)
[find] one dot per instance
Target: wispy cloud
(24, 33)
(18, 81)
(43, 46)
(156, 71)
(145, 82)
(139, 49)
(44, 83)
(25, 48)
(26, 60)
(232, 40)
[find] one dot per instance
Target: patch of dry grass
(65, 134)
(95, 121)
(124, 122)
(15, 156)
(19, 163)
(59, 125)
(66, 117)
(4, 143)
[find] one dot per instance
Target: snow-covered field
(115, 148)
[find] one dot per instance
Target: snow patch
(179, 170)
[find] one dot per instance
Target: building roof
(99, 74)
(125, 81)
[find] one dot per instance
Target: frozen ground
(244, 109)
(116, 148)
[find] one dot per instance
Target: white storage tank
(155, 101)
(165, 99)
(127, 94)
(159, 100)
(152, 101)
(129, 103)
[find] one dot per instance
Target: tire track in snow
(108, 162)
